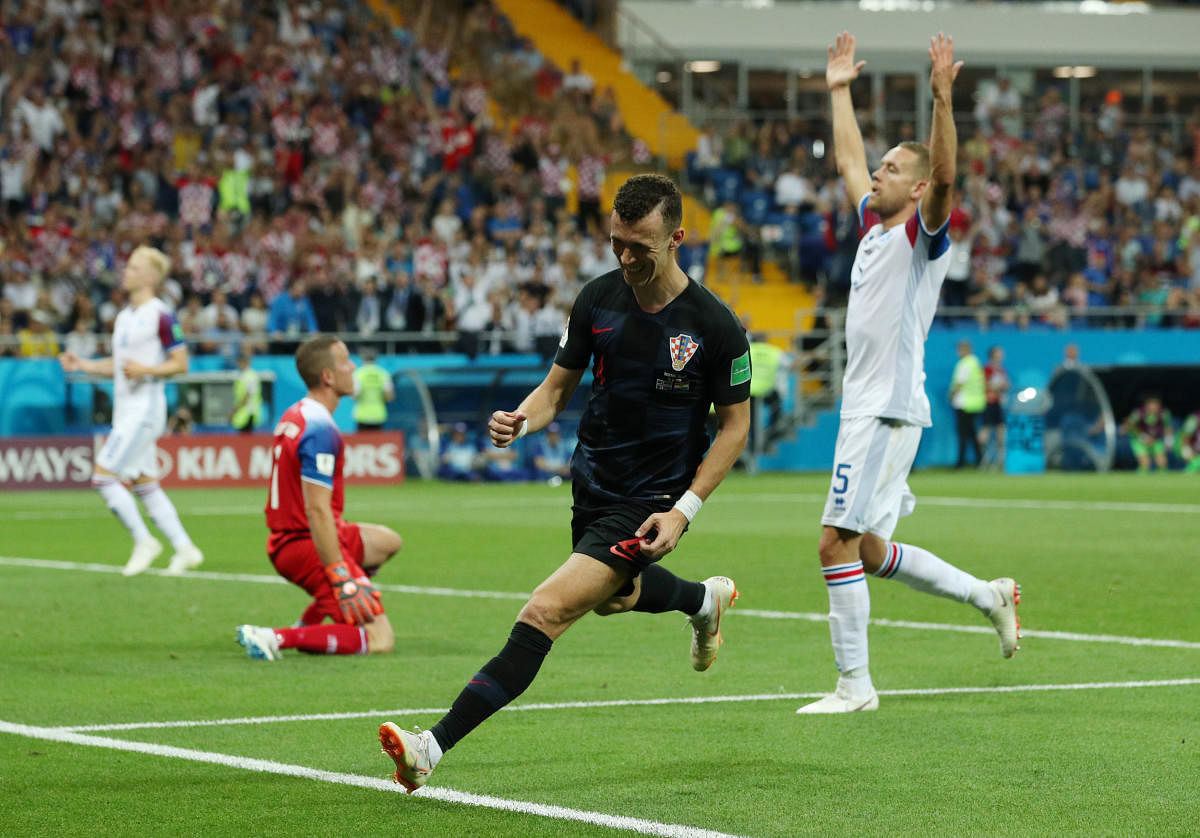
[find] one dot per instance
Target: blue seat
(784, 230)
(756, 204)
(727, 184)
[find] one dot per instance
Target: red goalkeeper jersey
(308, 446)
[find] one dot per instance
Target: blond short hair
(922, 166)
(157, 259)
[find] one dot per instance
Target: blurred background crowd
(322, 165)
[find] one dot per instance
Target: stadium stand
(434, 177)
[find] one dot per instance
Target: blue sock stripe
(487, 689)
(843, 574)
(892, 563)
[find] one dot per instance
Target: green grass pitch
(1104, 561)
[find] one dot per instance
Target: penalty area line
(629, 702)
(629, 824)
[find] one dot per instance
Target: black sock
(502, 679)
(663, 591)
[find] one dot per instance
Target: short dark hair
(643, 194)
(314, 357)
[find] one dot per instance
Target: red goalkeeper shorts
(297, 561)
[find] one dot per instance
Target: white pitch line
(627, 702)
(542, 810)
(995, 503)
(265, 579)
(992, 503)
(883, 622)
(807, 616)
(254, 509)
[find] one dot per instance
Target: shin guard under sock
(502, 679)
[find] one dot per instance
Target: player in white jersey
(147, 348)
(904, 206)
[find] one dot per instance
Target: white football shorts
(871, 463)
(131, 450)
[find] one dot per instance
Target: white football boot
(706, 631)
(186, 559)
(144, 553)
(410, 751)
(842, 701)
(1004, 614)
(260, 642)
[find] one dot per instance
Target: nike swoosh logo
(627, 549)
(596, 331)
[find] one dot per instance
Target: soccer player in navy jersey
(662, 349)
(904, 212)
(309, 543)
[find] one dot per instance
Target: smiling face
(896, 182)
(645, 248)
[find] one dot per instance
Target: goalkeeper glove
(356, 596)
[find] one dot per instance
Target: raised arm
(848, 148)
(943, 137)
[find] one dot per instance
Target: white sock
(163, 513)
(709, 603)
(122, 504)
(849, 612)
(857, 682)
(923, 571)
(435, 750)
(982, 596)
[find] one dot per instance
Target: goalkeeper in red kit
(310, 544)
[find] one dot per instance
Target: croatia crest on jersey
(683, 347)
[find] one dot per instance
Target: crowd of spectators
(465, 457)
(304, 164)
(307, 165)
(1049, 224)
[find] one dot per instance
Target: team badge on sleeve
(739, 371)
(325, 464)
(683, 347)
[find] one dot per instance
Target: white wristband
(524, 430)
(689, 504)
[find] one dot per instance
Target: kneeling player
(309, 543)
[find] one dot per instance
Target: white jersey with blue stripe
(895, 283)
